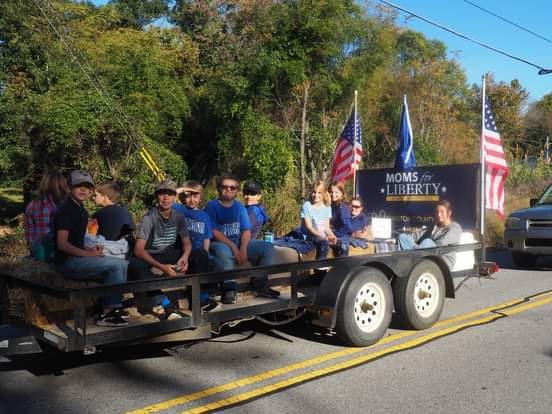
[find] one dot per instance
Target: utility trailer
(356, 296)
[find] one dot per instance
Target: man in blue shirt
(232, 238)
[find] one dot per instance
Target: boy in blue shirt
(256, 211)
(232, 238)
(199, 230)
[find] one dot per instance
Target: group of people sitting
(172, 238)
(176, 236)
(329, 222)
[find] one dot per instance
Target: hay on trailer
(34, 307)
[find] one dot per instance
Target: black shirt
(114, 222)
(73, 217)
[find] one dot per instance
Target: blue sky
(462, 17)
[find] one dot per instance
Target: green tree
(139, 13)
(538, 125)
(121, 88)
(436, 90)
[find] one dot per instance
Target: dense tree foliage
(258, 87)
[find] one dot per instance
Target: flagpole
(482, 160)
(354, 150)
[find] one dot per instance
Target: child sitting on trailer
(76, 262)
(315, 220)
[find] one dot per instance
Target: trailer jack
(488, 268)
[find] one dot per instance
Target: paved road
(475, 360)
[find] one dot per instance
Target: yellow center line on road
(185, 399)
(333, 369)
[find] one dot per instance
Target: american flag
(348, 151)
(496, 169)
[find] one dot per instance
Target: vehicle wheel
(524, 259)
(365, 308)
(419, 298)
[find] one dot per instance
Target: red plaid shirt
(39, 219)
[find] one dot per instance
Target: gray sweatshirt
(443, 236)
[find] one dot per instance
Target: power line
(82, 62)
(508, 21)
(542, 71)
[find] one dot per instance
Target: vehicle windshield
(546, 198)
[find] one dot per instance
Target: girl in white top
(315, 219)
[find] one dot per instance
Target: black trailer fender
(335, 281)
(332, 287)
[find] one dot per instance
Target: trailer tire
(365, 308)
(419, 297)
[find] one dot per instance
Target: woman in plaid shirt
(39, 215)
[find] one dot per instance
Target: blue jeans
(322, 246)
(139, 269)
(215, 264)
(406, 242)
(259, 253)
(107, 269)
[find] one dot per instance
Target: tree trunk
(303, 136)
(29, 180)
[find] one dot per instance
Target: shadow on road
(301, 329)
(54, 362)
(503, 258)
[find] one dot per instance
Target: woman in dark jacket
(341, 219)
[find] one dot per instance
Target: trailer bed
(303, 285)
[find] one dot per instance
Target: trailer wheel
(419, 297)
(365, 308)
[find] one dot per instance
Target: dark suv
(528, 232)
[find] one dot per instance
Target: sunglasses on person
(249, 193)
(228, 187)
(190, 193)
(356, 206)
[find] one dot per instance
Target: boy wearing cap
(76, 262)
(200, 231)
(199, 224)
(232, 238)
(163, 241)
(256, 212)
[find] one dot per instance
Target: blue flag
(405, 153)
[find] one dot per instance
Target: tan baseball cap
(166, 185)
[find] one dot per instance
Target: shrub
(283, 207)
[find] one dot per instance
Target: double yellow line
(492, 313)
